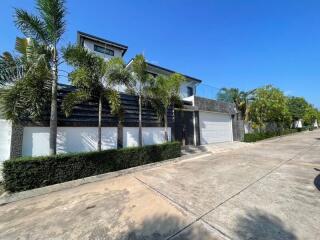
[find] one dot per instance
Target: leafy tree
(139, 85)
(310, 116)
(269, 106)
(240, 98)
(94, 79)
(164, 92)
(297, 107)
(46, 28)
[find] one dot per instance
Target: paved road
(266, 191)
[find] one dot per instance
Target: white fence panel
(150, 135)
(69, 139)
(5, 139)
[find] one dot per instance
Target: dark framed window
(190, 91)
(103, 50)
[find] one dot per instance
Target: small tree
(47, 29)
(310, 116)
(164, 92)
(94, 79)
(240, 98)
(139, 85)
(297, 107)
(269, 106)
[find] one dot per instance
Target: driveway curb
(13, 197)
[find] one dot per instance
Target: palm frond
(72, 99)
(114, 100)
(116, 73)
(53, 14)
(31, 25)
(21, 45)
(11, 69)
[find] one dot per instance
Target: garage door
(215, 127)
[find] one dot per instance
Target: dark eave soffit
(168, 70)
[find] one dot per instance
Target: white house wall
(90, 46)
(84, 139)
(184, 89)
(5, 139)
(150, 135)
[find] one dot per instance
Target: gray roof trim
(167, 70)
(80, 35)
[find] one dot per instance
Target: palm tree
(139, 84)
(164, 92)
(25, 82)
(94, 79)
(240, 98)
(47, 29)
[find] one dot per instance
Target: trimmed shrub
(257, 136)
(32, 172)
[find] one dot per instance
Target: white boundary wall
(84, 139)
(150, 135)
(5, 139)
(69, 139)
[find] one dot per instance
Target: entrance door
(184, 130)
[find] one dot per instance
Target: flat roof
(168, 70)
(101, 40)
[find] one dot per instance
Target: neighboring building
(297, 124)
(199, 121)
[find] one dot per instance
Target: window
(103, 50)
(190, 91)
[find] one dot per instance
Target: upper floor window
(190, 91)
(103, 50)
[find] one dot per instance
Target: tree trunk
(166, 138)
(140, 121)
(53, 112)
(99, 123)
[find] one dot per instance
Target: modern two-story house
(215, 118)
(199, 121)
(108, 49)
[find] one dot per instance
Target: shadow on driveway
(261, 225)
(156, 228)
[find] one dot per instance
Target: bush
(32, 172)
(253, 137)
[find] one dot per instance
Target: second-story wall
(90, 45)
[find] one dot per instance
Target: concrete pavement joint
(236, 194)
(258, 180)
(174, 203)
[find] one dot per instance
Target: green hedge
(32, 172)
(254, 137)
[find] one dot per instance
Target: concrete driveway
(267, 191)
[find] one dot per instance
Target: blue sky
(226, 43)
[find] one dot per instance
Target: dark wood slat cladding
(86, 114)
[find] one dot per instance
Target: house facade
(199, 121)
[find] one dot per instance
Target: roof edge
(102, 40)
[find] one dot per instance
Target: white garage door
(215, 127)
